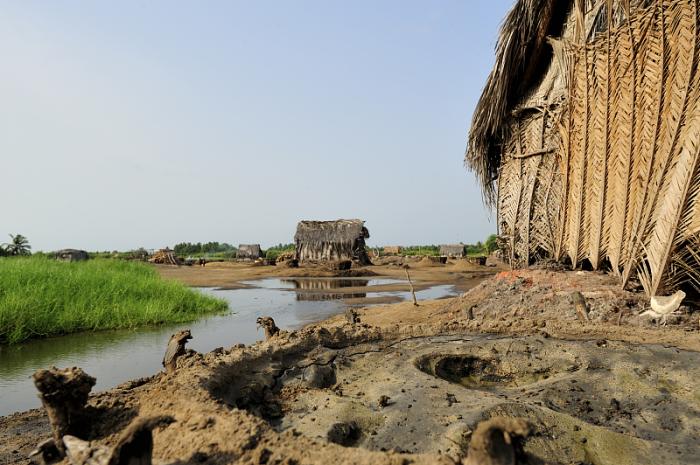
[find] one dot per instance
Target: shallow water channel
(114, 357)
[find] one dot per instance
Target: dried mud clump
(384, 401)
(176, 349)
(351, 316)
(344, 434)
(268, 325)
(134, 446)
(492, 442)
(319, 376)
(63, 394)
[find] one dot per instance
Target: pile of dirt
(430, 261)
(542, 294)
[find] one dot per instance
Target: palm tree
(18, 246)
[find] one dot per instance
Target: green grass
(277, 250)
(421, 251)
(42, 297)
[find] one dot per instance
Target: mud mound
(464, 265)
(551, 296)
(427, 262)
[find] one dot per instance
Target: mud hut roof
(330, 231)
(522, 56)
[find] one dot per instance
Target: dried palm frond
(522, 48)
(622, 184)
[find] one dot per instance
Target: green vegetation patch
(42, 297)
(421, 250)
(275, 251)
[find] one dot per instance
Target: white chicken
(663, 306)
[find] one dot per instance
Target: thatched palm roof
(522, 57)
(330, 231)
(249, 248)
(452, 249)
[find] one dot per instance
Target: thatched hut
(452, 250)
(587, 137)
(392, 250)
(72, 255)
(251, 251)
(332, 241)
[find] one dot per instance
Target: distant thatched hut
(452, 250)
(251, 251)
(72, 255)
(392, 250)
(331, 241)
(587, 137)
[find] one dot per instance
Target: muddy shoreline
(613, 390)
(232, 275)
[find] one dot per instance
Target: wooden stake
(413, 292)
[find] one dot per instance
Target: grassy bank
(42, 297)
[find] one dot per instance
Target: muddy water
(117, 356)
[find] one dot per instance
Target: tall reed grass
(42, 297)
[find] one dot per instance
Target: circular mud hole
(475, 372)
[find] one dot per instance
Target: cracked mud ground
(409, 385)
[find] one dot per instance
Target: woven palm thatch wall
(597, 160)
(331, 240)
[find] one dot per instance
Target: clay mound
(464, 265)
(389, 261)
(431, 262)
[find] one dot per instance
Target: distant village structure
(452, 250)
(586, 138)
(332, 241)
(251, 251)
(165, 257)
(392, 250)
(72, 255)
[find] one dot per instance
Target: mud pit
(587, 402)
(409, 385)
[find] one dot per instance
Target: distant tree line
(19, 246)
(421, 250)
(276, 250)
(135, 254)
(199, 248)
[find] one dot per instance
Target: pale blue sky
(128, 124)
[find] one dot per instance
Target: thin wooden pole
(413, 292)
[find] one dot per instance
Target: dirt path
(616, 389)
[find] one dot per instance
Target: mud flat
(232, 275)
(409, 384)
